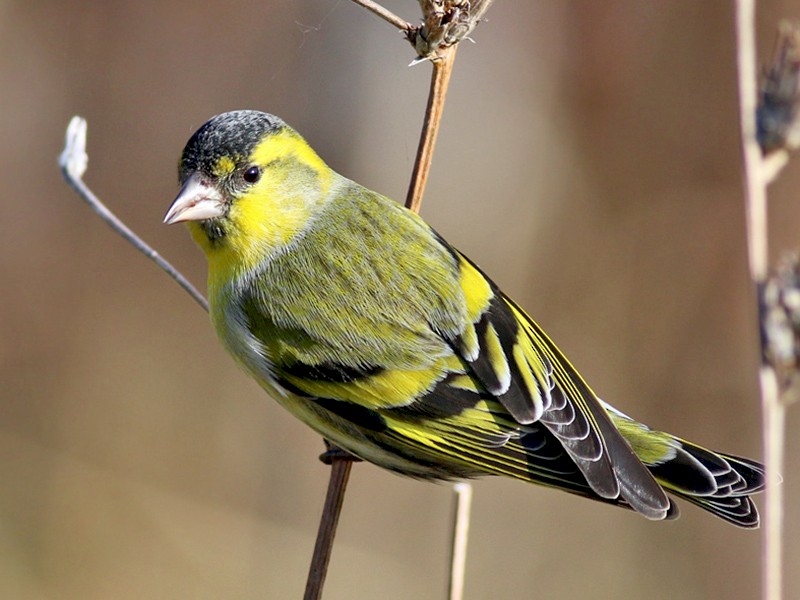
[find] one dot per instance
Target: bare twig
(73, 162)
(458, 555)
(444, 24)
(756, 207)
(337, 485)
(438, 45)
(753, 174)
(440, 79)
(385, 14)
(443, 62)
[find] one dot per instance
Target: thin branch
(73, 162)
(753, 173)
(460, 537)
(774, 427)
(442, 59)
(445, 23)
(440, 80)
(385, 14)
(773, 410)
(337, 485)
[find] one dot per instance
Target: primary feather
(362, 321)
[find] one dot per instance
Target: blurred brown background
(588, 160)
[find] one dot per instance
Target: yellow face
(260, 203)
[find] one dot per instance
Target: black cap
(233, 134)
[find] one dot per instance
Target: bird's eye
(252, 174)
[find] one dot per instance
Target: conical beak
(198, 200)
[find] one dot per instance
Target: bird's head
(250, 183)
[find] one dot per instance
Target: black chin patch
(214, 228)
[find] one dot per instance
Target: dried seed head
(444, 23)
(781, 323)
(779, 102)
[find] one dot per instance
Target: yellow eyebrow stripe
(223, 167)
(283, 144)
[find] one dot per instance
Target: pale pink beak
(198, 200)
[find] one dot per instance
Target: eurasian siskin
(368, 326)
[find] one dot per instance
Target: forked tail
(719, 483)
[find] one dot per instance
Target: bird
(367, 325)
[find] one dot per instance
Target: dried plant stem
(755, 184)
(340, 466)
(460, 537)
(774, 428)
(73, 162)
(440, 80)
(337, 485)
(773, 410)
(385, 14)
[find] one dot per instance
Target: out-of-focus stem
(773, 410)
(458, 552)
